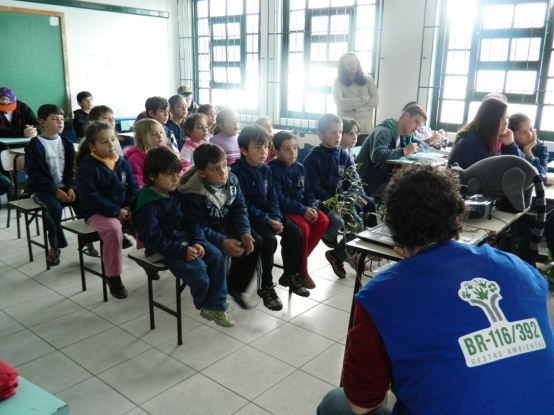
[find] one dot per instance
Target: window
(227, 49)
(315, 34)
(501, 46)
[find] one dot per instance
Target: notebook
(379, 234)
(425, 156)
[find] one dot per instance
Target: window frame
(541, 66)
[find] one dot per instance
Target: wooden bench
(31, 211)
(152, 265)
(86, 234)
(32, 400)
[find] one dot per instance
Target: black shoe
(270, 298)
(294, 282)
(116, 287)
(127, 243)
(235, 295)
(330, 244)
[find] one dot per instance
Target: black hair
(155, 103)
(281, 137)
(83, 95)
(160, 160)
(97, 112)
(423, 206)
(190, 122)
(515, 119)
(325, 121)
(91, 134)
(206, 154)
(47, 110)
(348, 124)
(172, 101)
(253, 134)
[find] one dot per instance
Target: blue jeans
(336, 403)
(205, 278)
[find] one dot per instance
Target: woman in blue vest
(450, 329)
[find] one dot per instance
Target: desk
(14, 141)
(550, 166)
(500, 221)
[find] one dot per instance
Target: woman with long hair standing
(355, 94)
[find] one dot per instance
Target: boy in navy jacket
(296, 199)
(213, 202)
(159, 222)
(256, 181)
(51, 182)
(326, 166)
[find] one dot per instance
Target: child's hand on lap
(123, 214)
(276, 226)
(310, 215)
(71, 195)
(61, 196)
(199, 250)
(192, 253)
(233, 247)
(247, 243)
(363, 202)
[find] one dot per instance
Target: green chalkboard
(33, 58)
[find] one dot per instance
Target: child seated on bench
(187, 253)
(51, 182)
(107, 188)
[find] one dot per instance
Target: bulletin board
(34, 57)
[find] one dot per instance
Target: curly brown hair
(423, 206)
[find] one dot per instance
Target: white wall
(399, 66)
(122, 59)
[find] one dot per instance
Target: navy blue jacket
(326, 167)
(21, 117)
(259, 193)
(177, 132)
(291, 187)
(159, 223)
(80, 123)
(102, 191)
(470, 149)
(39, 177)
(203, 209)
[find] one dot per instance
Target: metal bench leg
(26, 217)
(104, 282)
(179, 316)
(150, 299)
(80, 243)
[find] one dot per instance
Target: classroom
(272, 58)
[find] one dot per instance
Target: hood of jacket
(191, 183)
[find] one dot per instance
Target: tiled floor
(102, 358)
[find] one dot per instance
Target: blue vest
(467, 332)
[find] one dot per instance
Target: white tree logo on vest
(503, 338)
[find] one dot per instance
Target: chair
(152, 265)
(86, 234)
(12, 164)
